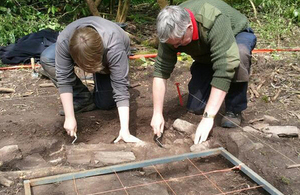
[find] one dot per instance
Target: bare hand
(70, 126)
(157, 124)
(203, 130)
(127, 137)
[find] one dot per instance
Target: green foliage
(141, 19)
(19, 18)
(14, 26)
(265, 98)
(290, 9)
(285, 180)
(275, 18)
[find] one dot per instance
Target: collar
(194, 23)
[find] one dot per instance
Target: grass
(285, 180)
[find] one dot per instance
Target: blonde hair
(86, 49)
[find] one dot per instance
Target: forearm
(124, 118)
(215, 101)
(158, 90)
(124, 133)
(67, 102)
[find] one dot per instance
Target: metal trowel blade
(158, 140)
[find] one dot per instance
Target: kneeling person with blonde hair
(100, 47)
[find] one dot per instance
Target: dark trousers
(103, 92)
(236, 98)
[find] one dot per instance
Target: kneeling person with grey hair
(100, 47)
(220, 41)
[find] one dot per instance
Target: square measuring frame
(129, 166)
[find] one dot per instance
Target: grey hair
(172, 22)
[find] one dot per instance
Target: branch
(255, 12)
(92, 7)
(98, 2)
(162, 3)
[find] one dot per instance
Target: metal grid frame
(128, 166)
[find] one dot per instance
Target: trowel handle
(32, 64)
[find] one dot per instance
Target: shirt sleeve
(119, 69)
(165, 61)
(224, 52)
(64, 68)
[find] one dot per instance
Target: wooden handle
(32, 63)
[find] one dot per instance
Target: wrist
(69, 117)
(156, 113)
(124, 130)
(208, 115)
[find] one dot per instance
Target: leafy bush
(275, 18)
(19, 18)
(287, 8)
(14, 26)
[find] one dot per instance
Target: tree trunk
(120, 7)
(111, 6)
(124, 11)
(97, 3)
(162, 3)
(92, 7)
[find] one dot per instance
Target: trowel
(158, 140)
(34, 74)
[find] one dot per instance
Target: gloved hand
(203, 130)
(127, 137)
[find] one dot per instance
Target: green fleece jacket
(218, 23)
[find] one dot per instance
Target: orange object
(179, 94)
(154, 55)
(19, 67)
(273, 50)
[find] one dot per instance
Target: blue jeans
(236, 98)
(102, 96)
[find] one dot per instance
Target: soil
(30, 119)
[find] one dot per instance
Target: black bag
(29, 46)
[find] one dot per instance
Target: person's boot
(231, 120)
(78, 108)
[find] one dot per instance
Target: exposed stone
(240, 144)
(115, 157)
(283, 131)
(98, 154)
(10, 153)
(200, 147)
(95, 147)
(271, 120)
(179, 141)
(260, 126)
(188, 141)
(79, 158)
(250, 129)
(151, 150)
(184, 126)
(255, 120)
(56, 161)
(167, 142)
(31, 162)
(42, 145)
(210, 143)
(6, 182)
